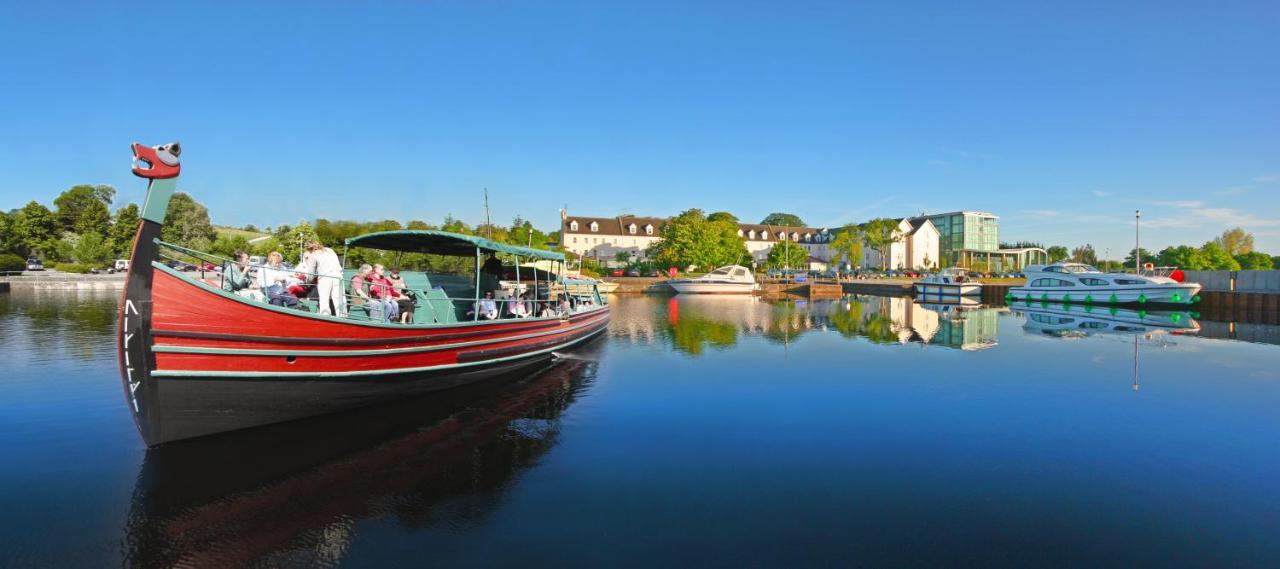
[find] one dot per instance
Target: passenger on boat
(519, 307)
(323, 265)
(486, 307)
(491, 272)
(235, 277)
(385, 288)
(406, 300)
(366, 293)
(274, 281)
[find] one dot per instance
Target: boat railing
(567, 298)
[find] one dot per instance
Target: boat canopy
(443, 243)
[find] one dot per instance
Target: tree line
(81, 232)
(1231, 251)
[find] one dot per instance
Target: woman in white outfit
(325, 267)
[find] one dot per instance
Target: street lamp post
(1137, 247)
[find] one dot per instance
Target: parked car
(634, 273)
(34, 264)
(179, 265)
(618, 273)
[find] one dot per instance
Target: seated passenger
(404, 295)
(518, 308)
(380, 288)
(361, 294)
(274, 281)
(235, 277)
(486, 307)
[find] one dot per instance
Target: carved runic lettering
(126, 340)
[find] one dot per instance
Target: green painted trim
(263, 306)
(309, 374)
(158, 194)
(161, 349)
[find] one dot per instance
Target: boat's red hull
(218, 362)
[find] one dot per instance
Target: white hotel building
(604, 237)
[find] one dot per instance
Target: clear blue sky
(1062, 118)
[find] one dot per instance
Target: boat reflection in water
(292, 494)
(1079, 320)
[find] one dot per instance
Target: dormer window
(739, 233)
(648, 229)
(782, 236)
(595, 227)
(573, 225)
(632, 228)
(795, 236)
(808, 237)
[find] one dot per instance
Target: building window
(782, 236)
(575, 239)
(573, 225)
(739, 233)
(648, 229)
(595, 227)
(632, 228)
(752, 234)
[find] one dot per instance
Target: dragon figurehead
(157, 162)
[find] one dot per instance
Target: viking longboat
(197, 360)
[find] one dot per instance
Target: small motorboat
(733, 279)
(954, 281)
(1078, 282)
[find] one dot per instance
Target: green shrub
(72, 267)
(11, 262)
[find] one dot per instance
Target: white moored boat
(954, 281)
(1077, 282)
(734, 279)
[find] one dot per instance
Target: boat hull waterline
(973, 289)
(1161, 294)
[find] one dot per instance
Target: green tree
(848, 244)
(10, 241)
(1235, 241)
(123, 227)
(723, 216)
(778, 218)
(227, 244)
(186, 223)
(1182, 256)
(91, 249)
(419, 225)
(84, 209)
(36, 226)
(1218, 258)
(251, 228)
(1057, 253)
(786, 254)
(1255, 261)
(1147, 257)
(1084, 254)
(880, 234)
(689, 239)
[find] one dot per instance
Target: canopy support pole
(475, 307)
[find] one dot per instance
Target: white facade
(916, 249)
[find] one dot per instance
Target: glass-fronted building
(972, 239)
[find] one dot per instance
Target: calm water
(702, 431)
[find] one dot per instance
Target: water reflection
(696, 324)
(292, 494)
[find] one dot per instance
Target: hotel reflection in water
(696, 323)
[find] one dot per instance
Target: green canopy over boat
(443, 243)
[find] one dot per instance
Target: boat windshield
(721, 272)
(1079, 268)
